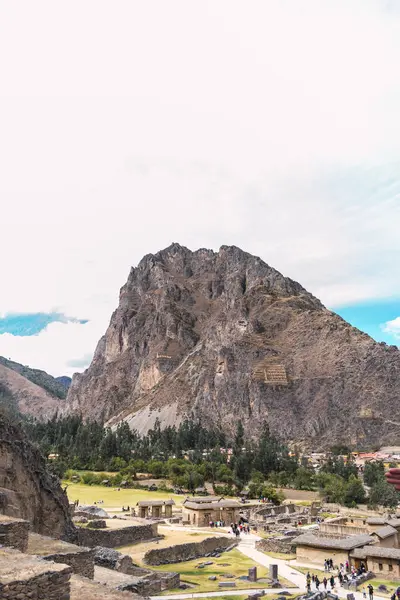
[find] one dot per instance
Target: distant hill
(54, 386)
(18, 394)
(64, 380)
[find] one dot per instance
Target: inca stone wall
(82, 562)
(281, 545)
(14, 533)
(184, 552)
(113, 538)
(27, 578)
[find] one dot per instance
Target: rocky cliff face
(27, 490)
(223, 336)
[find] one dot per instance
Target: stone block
(253, 574)
(273, 572)
(227, 584)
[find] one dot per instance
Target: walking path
(247, 547)
(222, 592)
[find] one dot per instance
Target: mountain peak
(221, 336)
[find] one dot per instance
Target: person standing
(317, 582)
(325, 582)
(371, 592)
(332, 582)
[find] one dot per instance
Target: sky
(272, 125)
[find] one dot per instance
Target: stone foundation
(184, 552)
(113, 538)
(80, 559)
(26, 578)
(14, 533)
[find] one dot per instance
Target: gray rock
(212, 578)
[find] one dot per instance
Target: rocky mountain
(27, 490)
(222, 336)
(65, 382)
(29, 391)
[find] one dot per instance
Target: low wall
(113, 538)
(184, 552)
(26, 578)
(338, 530)
(281, 545)
(14, 533)
(82, 563)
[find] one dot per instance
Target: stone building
(313, 549)
(155, 509)
(383, 562)
(201, 513)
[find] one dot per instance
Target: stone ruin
(66, 566)
(33, 566)
(284, 517)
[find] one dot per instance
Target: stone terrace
(26, 578)
(80, 559)
(14, 532)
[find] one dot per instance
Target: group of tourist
(328, 564)
(238, 529)
(217, 523)
(345, 574)
(314, 579)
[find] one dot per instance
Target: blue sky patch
(371, 316)
(26, 324)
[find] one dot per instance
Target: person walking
(317, 583)
(332, 582)
(371, 592)
(325, 582)
(308, 581)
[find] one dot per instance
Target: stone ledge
(81, 559)
(24, 577)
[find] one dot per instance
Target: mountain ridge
(29, 391)
(221, 336)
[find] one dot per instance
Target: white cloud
(58, 349)
(270, 125)
(393, 328)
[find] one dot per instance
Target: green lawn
(88, 494)
(238, 565)
(280, 555)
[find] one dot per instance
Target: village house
(197, 512)
(154, 509)
(311, 549)
(383, 562)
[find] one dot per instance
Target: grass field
(391, 586)
(281, 555)
(236, 564)
(88, 494)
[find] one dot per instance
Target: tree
(373, 472)
(383, 494)
(354, 492)
(304, 479)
